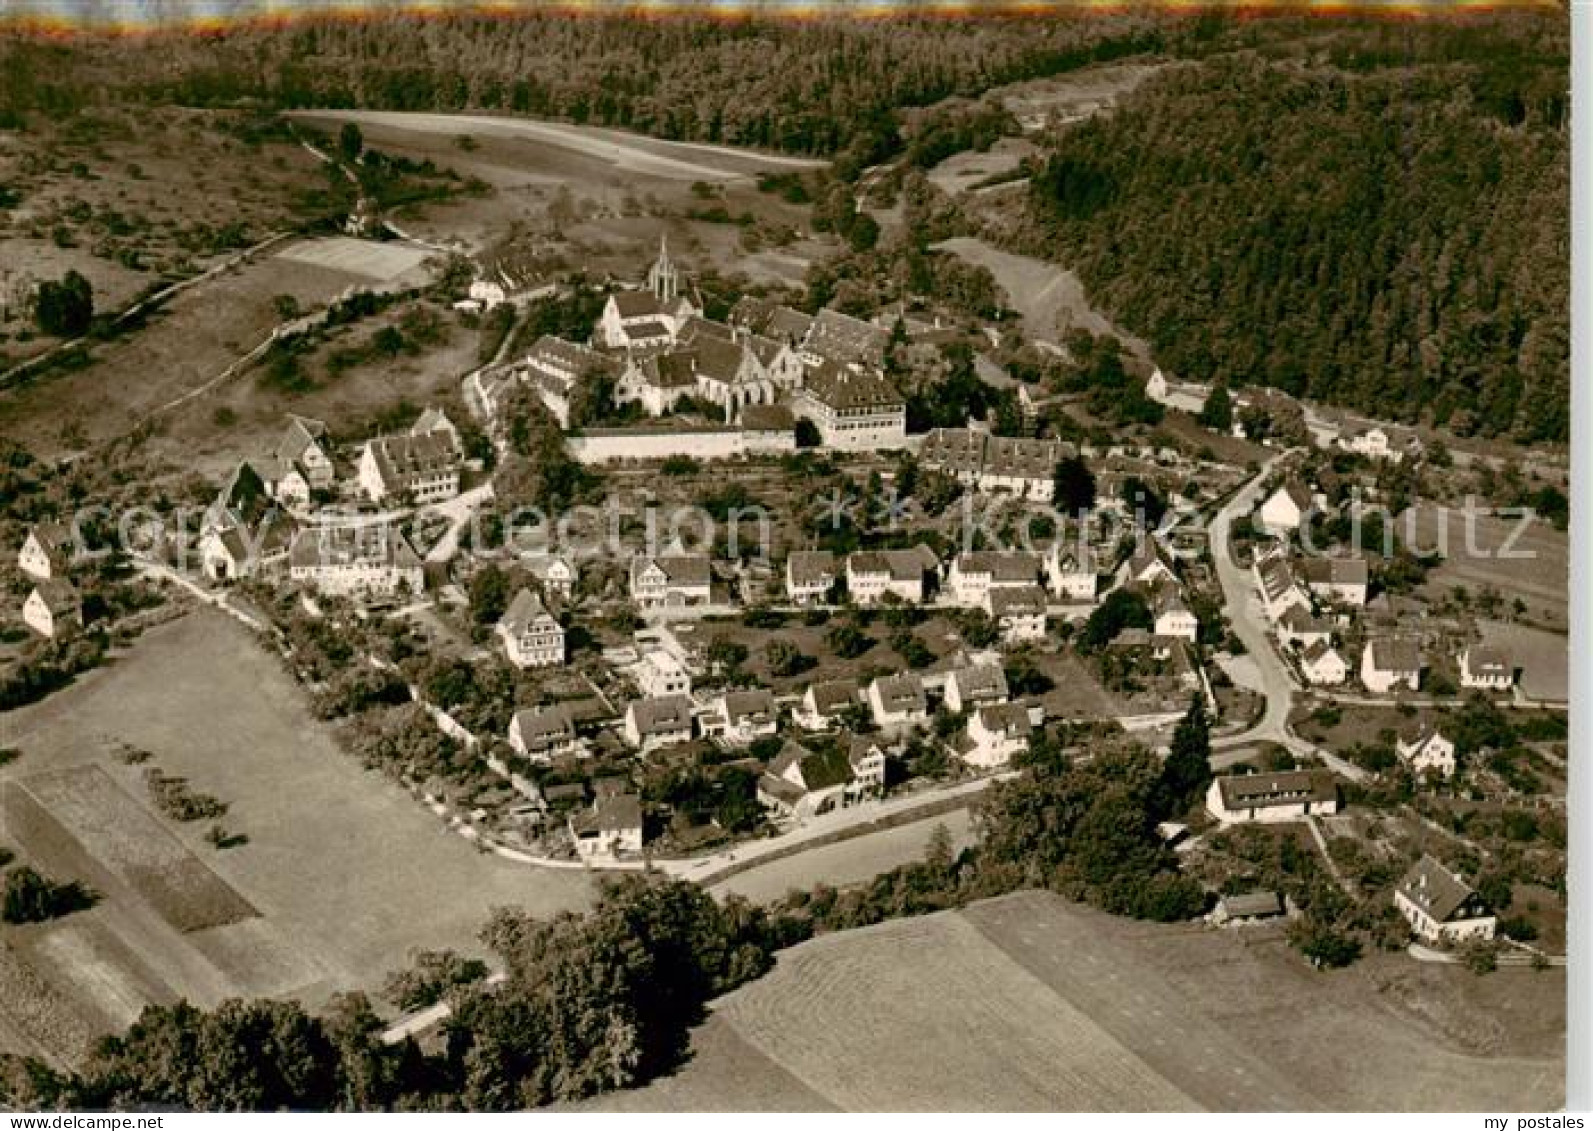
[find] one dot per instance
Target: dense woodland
(1386, 232)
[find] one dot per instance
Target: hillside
(1387, 232)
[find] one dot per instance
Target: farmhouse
(1272, 798)
(1487, 669)
(1019, 613)
(995, 735)
(1440, 907)
(652, 723)
(1285, 510)
(1427, 751)
(979, 686)
(824, 704)
(974, 574)
(53, 609)
(741, 717)
(1390, 663)
(809, 576)
(372, 560)
(1342, 580)
(421, 467)
(1322, 665)
(612, 828)
(853, 412)
(532, 637)
(46, 551)
(897, 701)
(671, 580)
(544, 733)
(871, 575)
(305, 445)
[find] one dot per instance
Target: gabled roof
(901, 565)
(58, 596)
(302, 433)
(834, 695)
(1297, 493)
(901, 692)
(1017, 600)
(611, 813)
(815, 770)
(983, 681)
(1004, 566)
(754, 705)
(636, 304)
(845, 339)
(1439, 892)
(1010, 720)
(840, 389)
(1487, 660)
(1317, 651)
(1396, 654)
(524, 611)
(679, 569)
(1334, 571)
(1260, 791)
(662, 715)
(404, 458)
(810, 567)
(544, 726)
(767, 418)
(329, 546)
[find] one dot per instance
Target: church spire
(663, 280)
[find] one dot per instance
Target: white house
(975, 573)
(544, 733)
(1070, 577)
(305, 445)
(671, 580)
(1173, 617)
(1390, 663)
(1285, 510)
(1018, 612)
(1146, 566)
(809, 576)
(898, 701)
(872, 574)
(1487, 669)
(1272, 798)
(1279, 590)
(1440, 908)
(1322, 665)
(423, 468)
(53, 609)
(995, 735)
(611, 828)
(532, 637)
(45, 551)
(346, 561)
(802, 783)
(233, 551)
(652, 723)
(1341, 580)
(824, 704)
(1189, 396)
(659, 674)
(1298, 628)
(981, 685)
(743, 717)
(557, 574)
(1427, 751)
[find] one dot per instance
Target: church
(651, 318)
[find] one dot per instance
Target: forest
(1393, 238)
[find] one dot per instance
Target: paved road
(1242, 606)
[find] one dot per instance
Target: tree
(1217, 412)
(350, 142)
(32, 898)
(848, 641)
(64, 309)
(489, 594)
(1187, 771)
(1073, 485)
(785, 659)
(1123, 608)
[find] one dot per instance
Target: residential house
(422, 468)
(975, 573)
(1486, 669)
(1391, 663)
(654, 723)
(1019, 613)
(532, 637)
(802, 783)
(556, 574)
(659, 674)
(611, 828)
(868, 768)
(897, 701)
(544, 733)
(46, 551)
(1146, 566)
(742, 717)
(1440, 907)
(1071, 577)
(1286, 509)
(872, 574)
(1426, 751)
(53, 610)
(671, 580)
(1273, 798)
(981, 685)
(825, 704)
(345, 561)
(1279, 590)
(810, 576)
(1341, 580)
(1248, 907)
(1188, 396)
(233, 551)
(995, 735)
(1023, 466)
(306, 445)
(1322, 665)
(1298, 628)
(1173, 616)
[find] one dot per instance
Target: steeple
(663, 279)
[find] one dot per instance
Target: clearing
(1039, 1004)
(342, 876)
